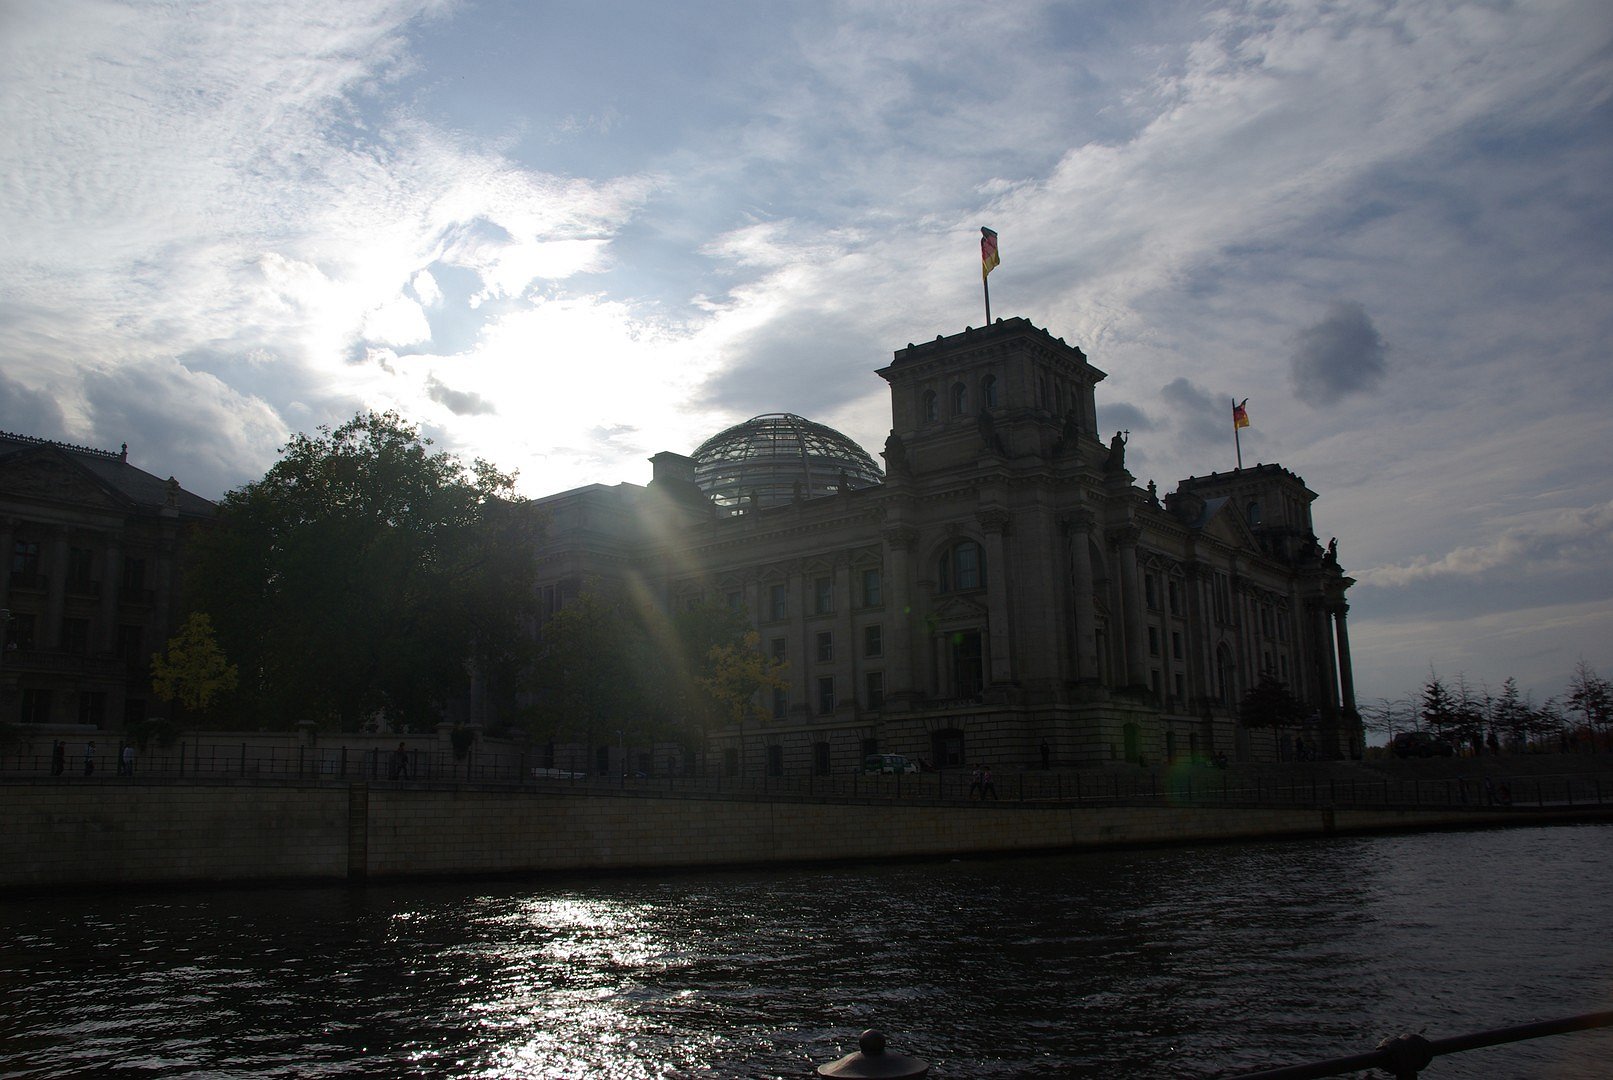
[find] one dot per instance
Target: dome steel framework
(774, 456)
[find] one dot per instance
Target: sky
(563, 237)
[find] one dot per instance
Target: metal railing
(1404, 1056)
(202, 758)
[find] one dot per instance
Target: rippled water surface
(1179, 962)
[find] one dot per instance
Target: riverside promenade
(262, 824)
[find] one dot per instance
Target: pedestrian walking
(58, 758)
(400, 763)
(89, 758)
(126, 766)
(977, 784)
(987, 787)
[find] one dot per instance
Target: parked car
(889, 763)
(1420, 744)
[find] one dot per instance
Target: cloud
(1568, 539)
(29, 412)
(1199, 417)
(1341, 355)
(458, 402)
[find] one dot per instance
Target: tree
(193, 670)
(588, 676)
(736, 673)
(364, 575)
(1269, 704)
(1591, 696)
(1509, 714)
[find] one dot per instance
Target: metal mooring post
(871, 1060)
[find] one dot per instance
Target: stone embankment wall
(86, 834)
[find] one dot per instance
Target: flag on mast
(988, 252)
(1240, 415)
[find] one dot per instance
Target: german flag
(988, 252)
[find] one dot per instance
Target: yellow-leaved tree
(193, 670)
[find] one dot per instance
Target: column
(50, 634)
(901, 680)
(994, 523)
(1125, 538)
(1078, 529)
(111, 581)
(1342, 641)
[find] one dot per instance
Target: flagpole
(1236, 442)
(988, 261)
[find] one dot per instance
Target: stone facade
(1008, 595)
(95, 548)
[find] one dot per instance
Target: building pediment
(48, 476)
(958, 609)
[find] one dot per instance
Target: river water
(1152, 963)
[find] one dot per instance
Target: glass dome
(770, 457)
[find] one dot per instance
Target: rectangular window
(968, 556)
(873, 589)
(76, 636)
(826, 647)
(778, 649)
(778, 602)
(134, 575)
(129, 642)
(1153, 641)
(1181, 695)
(823, 596)
(548, 601)
(1151, 590)
(1173, 596)
(20, 631)
(736, 600)
(874, 686)
(34, 706)
(25, 557)
(826, 695)
(780, 703)
(92, 707)
(1153, 681)
(78, 566)
(873, 643)
(1176, 644)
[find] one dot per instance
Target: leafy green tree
(364, 575)
(193, 670)
(588, 676)
(1270, 704)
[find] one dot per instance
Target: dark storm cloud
(1341, 355)
(1121, 416)
(215, 443)
(797, 365)
(29, 412)
(1198, 415)
(458, 402)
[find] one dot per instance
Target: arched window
(1254, 514)
(963, 566)
(960, 399)
(929, 405)
(988, 391)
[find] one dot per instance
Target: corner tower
(1010, 389)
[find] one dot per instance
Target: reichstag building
(1001, 591)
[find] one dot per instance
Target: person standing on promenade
(89, 758)
(400, 763)
(977, 784)
(58, 758)
(986, 786)
(126, 766)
